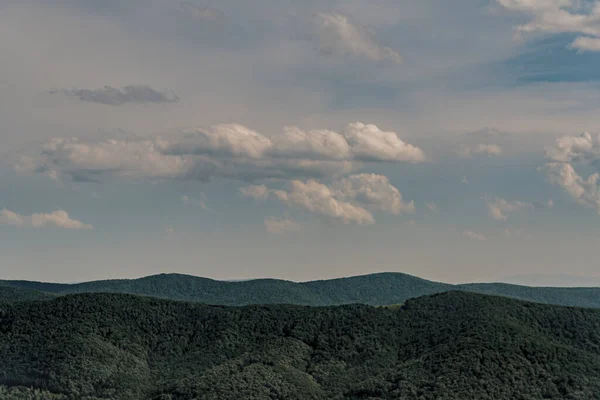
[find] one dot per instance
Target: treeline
(448, 346)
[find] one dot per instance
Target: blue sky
(299, 140)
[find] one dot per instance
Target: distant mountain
(375, 289)
(9, 294)
(453, 346)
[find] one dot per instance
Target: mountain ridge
(382, 288)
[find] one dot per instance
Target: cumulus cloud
(559, 169)
(279, 226)
(351, 199)
(500, 209)
(117, 97)
(321, 199)
(228, 151)
(481, 149)
(373, 192)
(335, 34)
(561, 16)
(59, 219)
(474, 236)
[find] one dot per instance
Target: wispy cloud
(58, 219)
(500, 209)
(117, 97)
(474, 236)
(336, 34)
(279, 226)
(560, 16)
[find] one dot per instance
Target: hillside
(375, 289)
(454, 345)
(9, 294)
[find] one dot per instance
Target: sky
(300, 140)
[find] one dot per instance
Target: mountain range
(375, 289)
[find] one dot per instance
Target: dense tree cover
(453, 345)
(8, 293)
(375, 289)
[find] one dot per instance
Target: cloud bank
(230, 151)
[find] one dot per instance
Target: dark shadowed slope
(375, 289)
(9, 294)
(454, 345)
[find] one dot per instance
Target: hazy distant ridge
(374, 289)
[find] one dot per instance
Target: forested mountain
(8, 293)
(375, 289)
(454, 345)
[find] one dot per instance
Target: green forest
(454, 345)
(375, 289)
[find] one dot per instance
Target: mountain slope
(454, 345)
(375, 289)
(9, 294)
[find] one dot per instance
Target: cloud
(369, 143)
(59, 219)
(117, 97)
(321, 199)
(256, 192)
(480, 149)
(279, 226)
(190, 201)
(227, 151)
(336, 35)
(464, 180)
(351, 199)
(560, 16)
(500, 209)
(474, 236)
(431, 206)
(203, 14)
(559, 169)
(583, 44)
(374, 192)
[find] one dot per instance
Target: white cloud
(228, 151)
(474, 236)
(59, 219)
(561, 16)
(279, 226)
(485, 149)
(321, 199)
(373, 192)
(369, 143)
(257, 192)
(337, 35)
(350, 199)
(583, 44)
(560, 171)
(500, 209)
